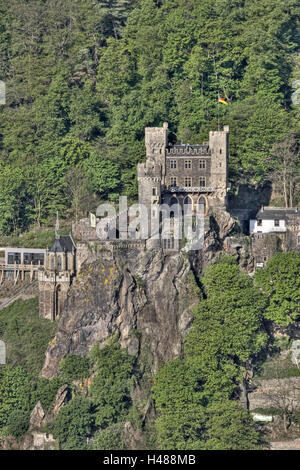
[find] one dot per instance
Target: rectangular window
(153, 191)
(173, 164)
(276, 222)
(187, 181)
(187, 163)
(202, 164)
(202, 182)
(173, 181)
(259, 222)
(298, 238)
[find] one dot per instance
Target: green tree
(280, 281)
(74, 367)
(229, 427)
(225, 330)
(74, 424)
(195, 395)
(109, 438)
(15, 392)
(11, 191)
(180, 400)
(17, 423)
(104, 175)
(111, 387)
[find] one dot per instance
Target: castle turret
(218, 145)
(56, 276)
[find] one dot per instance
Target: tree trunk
(244, 394)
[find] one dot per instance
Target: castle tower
(151, 174)
(56, 276)
(218, 144)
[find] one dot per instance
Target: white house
(269, 220)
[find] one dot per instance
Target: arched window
(188, 205)
(58, 302)
(201, 205)
(174, 202)
(59, 263)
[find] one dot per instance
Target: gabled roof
(276, 213)
(62, 244)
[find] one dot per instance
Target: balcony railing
(191, 189)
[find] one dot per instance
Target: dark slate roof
(63, 244)
(271, 214)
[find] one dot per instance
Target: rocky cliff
(145, 297)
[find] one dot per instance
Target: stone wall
(273, 393)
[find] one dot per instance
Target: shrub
(17, 424)
(74, 367)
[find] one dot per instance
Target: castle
(176, 175)
(183, 174)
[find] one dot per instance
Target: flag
(221, 100)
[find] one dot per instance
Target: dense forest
(84, 78)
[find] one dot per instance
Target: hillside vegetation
(84, 78)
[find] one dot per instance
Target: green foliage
(73, 424)
(225, 330)
(194, 395)
(17, 424)
(46, 390)
(15, 393)
(111, 387)
(180, 400)
(109, 438)
(229, 427)
(31, 239)
(84, 79)
(280, 281)
(104, 175)
(26, 334)
(74, 367)
(189, 419)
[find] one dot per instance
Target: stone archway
(174, 202)
(202, 205)
(58, 302)
(188, 205)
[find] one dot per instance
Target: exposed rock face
(145, 297)
(62, 397)
(37, 416)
